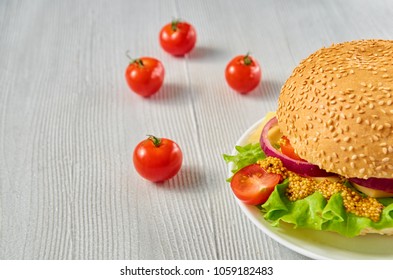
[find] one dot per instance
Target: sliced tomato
(287, 149)
(253, 185)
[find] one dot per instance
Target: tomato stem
(138, 61)
(156, 141)
(174, 24)
(134, 60)
(247, 59)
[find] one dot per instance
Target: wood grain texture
(68, 122)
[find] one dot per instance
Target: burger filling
(300, 187)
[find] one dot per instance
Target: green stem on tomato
(138, 61)
(247, 59)
(156, 141)
(174, 24)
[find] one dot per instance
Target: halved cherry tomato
(253, 185)
(145, 75)
(243, 73)
(157, 159)
(178, 37)
(287, 149)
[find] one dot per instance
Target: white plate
(317, 244)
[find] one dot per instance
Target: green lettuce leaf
(246, 155)
(315, 212)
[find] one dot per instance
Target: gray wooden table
(69, 123)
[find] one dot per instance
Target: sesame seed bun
(337, 109)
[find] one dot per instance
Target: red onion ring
(382, 184)
(302, 168)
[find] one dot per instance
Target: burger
(324, 159)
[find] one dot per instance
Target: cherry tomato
(243, 73)
(253, 185)
(178, 38)
(157, 159)
(287, 149)
(145, 76)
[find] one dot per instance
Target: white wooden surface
(68, 122)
